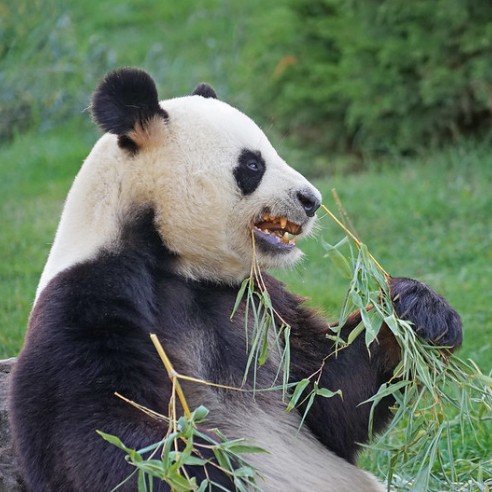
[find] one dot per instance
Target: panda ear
(204, 90)
(125, 102)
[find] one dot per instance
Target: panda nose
(309, 201)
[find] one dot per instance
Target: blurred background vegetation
(353, 77)
(388, 101)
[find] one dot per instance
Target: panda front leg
(342, 422)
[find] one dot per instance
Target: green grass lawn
(428, 218)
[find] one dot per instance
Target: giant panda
(158, 232)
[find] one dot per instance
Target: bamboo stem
(173, 375)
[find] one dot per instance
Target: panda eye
(253, 165)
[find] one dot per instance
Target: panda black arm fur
(342, 423)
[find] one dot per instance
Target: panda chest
(208, 339)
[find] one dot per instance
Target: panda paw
(432, 317)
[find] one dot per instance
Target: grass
(35, 171)
(427, 218)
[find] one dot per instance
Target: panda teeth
(282, 235)
(282, 229)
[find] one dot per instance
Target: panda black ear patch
(205, 91)
(126, 100)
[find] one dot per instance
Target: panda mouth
(277, 232)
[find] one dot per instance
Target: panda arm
(342, 422)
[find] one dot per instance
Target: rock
(9, 474)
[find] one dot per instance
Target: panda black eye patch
(249, 171)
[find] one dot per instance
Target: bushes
(349, 75)
(383, 75)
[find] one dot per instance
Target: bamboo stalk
(173, 375)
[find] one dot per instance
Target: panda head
(220, 193)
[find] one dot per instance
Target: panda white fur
(156, 236)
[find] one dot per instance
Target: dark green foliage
(385, 75)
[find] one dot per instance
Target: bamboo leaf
(142, 481)
(244, 471)
(192, 460)
(309, 404)
(203, 486)
(326, 393)
(245, 448)
(333, 252)
(200, 414)
(240, 295)
(355, 333)
(299, 389)
(180, 483)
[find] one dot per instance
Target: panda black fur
(155, 237)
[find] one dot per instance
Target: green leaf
(300, 387)
(372, 322)
(240, 487)
(326, 393)
(392, 324)
(193, 460)
(357, 300)
(180, 483)
(223, 459)
(244, 471)
(153, 467)
(200, 414)
(203, 486)
(487, 380)
(266, 300)
(116, 441)
(264, 352)
(387, 389)
(132, 453)
(142, 482)
(245, 448)
(338, 258)
(309, 404)
(355, 333)
(240, 295)
(152, 447)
